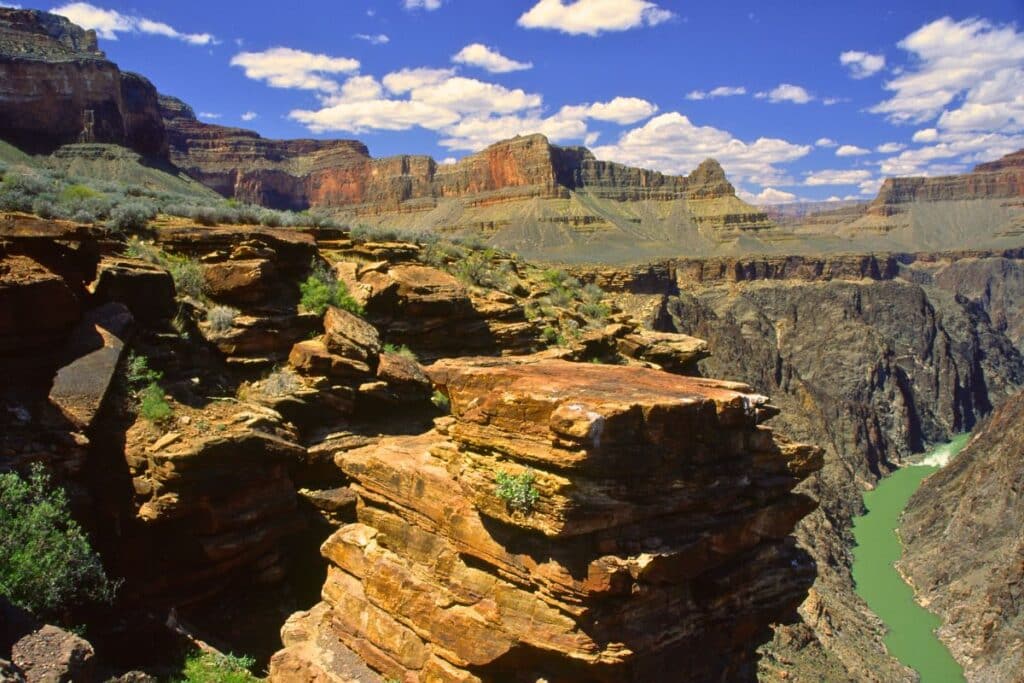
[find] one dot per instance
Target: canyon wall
(964, 552)
(57, 88)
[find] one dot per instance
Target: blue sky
(796, 99)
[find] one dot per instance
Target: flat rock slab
(95, 350)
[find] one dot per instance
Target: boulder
(350, 336)
(146, 289)
(239, 282)
(53, 655)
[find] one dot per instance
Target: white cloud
(954, 153)
(373, 38)
(209, 115)
(473, 133)
(926, 135)
(360, 116)
(786, 92)
(851, 151)
(973, 58)
(673, 144)
(469, 96)
(108, 23)
(284, 67)
(478, 54)
(250, 116)
(720, 91)
(400, 82)
(592, 17)
(837, 177)
(890, 147)
(862, 64)
(448, 161)
(621, 110)
(830, 101)
(825, 142)
(429, 5)
(770, 195)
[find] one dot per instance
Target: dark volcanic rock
(964, 551)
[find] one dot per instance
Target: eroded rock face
(623, 568)
(964, 552)
(58, 88)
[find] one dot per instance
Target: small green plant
(152, 404)
(403, 351)
(133, 216)
(517, 490)
(138, 372)
(551, 336)
(210, 667)
(441, 402)
(221, 318)
(187, 275)
(46, 563)
(321, 289)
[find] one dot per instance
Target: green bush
(134, 216)
(321, 289)
(187, 275)
(402, 350)
(441, 402)
(138, 372)
(77, 193)
(152, 404)
(208, 667)
(46, 563)
(517, 490)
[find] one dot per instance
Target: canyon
(327, 493)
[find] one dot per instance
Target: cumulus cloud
(285, 67)
(926, 135)
(973, 58)
(890, 147)
(837, 177)
(720, 91)
(593, 17)
(671, 143)
(250, 116)
(476, 132)
(209, 115)
(374, 38)
(851, 151)
(621, 110)
(429, 5)
(825, 142)
(954, 153)
(770, 195)
(478, 54)
(406, 80)
(108, 23)
(786, 92)
(862, 64)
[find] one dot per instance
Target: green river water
(911, 628)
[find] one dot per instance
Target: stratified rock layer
(657, 545)
(57, 87)
(964, 551)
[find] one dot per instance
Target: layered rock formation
(57, 87)
(872, 357)
(622, 567)
(964, 552)
(1000, 179)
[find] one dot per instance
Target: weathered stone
(312, 358)
(350, 336)
(147, 290)
(53, 655)
(95, 347)
(245, 281)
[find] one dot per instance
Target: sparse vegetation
(132, 217)
(402, 350)
(152, 404)
(441, 401)
(187, 275)
(221, 318)
(321, 289)
(210, 667)
(138, 373)
(47, 565)
(281, 382)
(517, 490)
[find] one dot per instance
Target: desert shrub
(44, 208)
(321, 289)
(248, 215)
(73, 194)
(592, 294)
(15, 199)
(402, 350)
(138, 373)
(555, 277)
(551, 336)
(441, 401)
(84, 216)
(271, 219)
(280, 382)
(133, 216)
(46, 563)
(595, 311)
(147, 251)
(187, 275)
(205, 215)
(152, 404)
(561, 297)
(32, 184)
(210, 667)
(221, 318)
(517, 490)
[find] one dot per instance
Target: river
(911, 628)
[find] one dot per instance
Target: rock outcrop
(1000, 179)
(620, 565)
(964, 552)
(57, 88)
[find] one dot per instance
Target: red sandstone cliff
(57, 87)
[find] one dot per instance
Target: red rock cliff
(57, 87)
